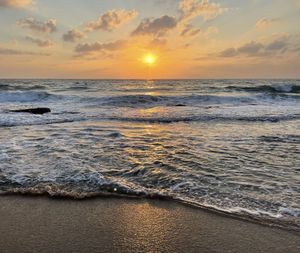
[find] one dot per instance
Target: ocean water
(229, 145)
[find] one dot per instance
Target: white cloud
(190, 9)
(111, 20)
(265, 23)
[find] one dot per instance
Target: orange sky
(109, 39)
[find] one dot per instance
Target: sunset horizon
(191, 39)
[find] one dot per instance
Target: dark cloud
(8, 51)
(251, 48)
(73, 35)
(49, 26)
(190, 31)
(157, 27)
(278, 45)
(97, 46)
(256, 49)
(40, 42)
(230, 52)
(111, 20)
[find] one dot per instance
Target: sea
(232, 146)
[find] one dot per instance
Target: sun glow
(150, 59)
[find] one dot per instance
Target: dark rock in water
(41, 110)
(180, 105)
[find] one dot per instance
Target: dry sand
(39, 224)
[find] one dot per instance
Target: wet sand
(40, 224)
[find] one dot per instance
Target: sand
(40, 224)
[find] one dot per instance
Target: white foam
(295, 212)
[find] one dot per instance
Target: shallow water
(231, 145)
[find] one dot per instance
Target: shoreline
(246, 217)
(43, 224)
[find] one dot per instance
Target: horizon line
(145, 79)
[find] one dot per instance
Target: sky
(93, 39)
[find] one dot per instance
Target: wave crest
(26, 96)
(275, 88)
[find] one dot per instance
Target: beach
(120, 157)
(41, 224)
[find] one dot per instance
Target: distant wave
(205, 118)
(26, 96)
(8, 119)
(25, 120)
(275, 88)
(10, 87)
(4, 86)
(187, 100)
(139, 100)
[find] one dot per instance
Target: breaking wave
(275, 88)
(26, 96)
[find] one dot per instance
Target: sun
(149, 59)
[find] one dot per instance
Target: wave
(4, 86)
(281, 139)
(274, 88)
(26, 96)
(188, 100)
(9, 87)
(30, 120)
(203, 118)
(76, 186)
(8, 119)
(286, 218)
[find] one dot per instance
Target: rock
(180, 105)
(41, 110)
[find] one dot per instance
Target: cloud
(73, 35)
(190, 9)
(8, 51)
(265, 23)
(256, 49)
(43, 27)
(229, 52)
(280, 44)
(39, 42)
(111, 20)
(15, 3)
(190, 31)
(97, 46)
(157, 27)
(251, 48)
